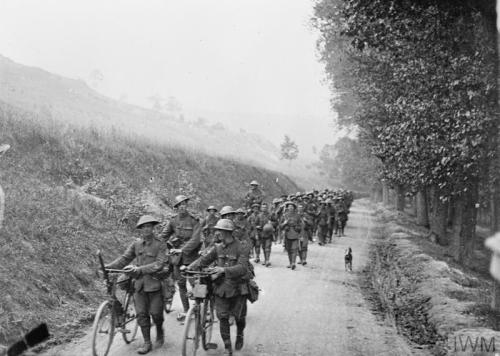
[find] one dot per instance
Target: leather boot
(160, 336)
(147, 346)
(238, 345)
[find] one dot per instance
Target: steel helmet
(224, 224)
(255, 205)
(329, 201)
(240, 211)
(268, 227)
(254, 182)
(179, 199)
(291, 203)
(147, 219)
(211, 207)
(227, 210)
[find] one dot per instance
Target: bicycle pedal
(123, 330)
(211, 346)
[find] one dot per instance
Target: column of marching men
(226, 239)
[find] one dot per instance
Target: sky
(250, 64)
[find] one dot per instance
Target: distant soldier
(331, 221)
(254, 195)
(308, 222)
(150, 254)
(292, 227)
(341, 216)
(311, 209)
(241, 227)
(183, 232)
(207, 227)
(254, 232)
(265, 229)
(323, 216)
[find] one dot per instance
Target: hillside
(71, 191)
(74, 102)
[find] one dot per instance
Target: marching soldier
(331, 221)
(305, 235)
(292, 227)
(254, 195)
(254, 233)
(230, 283)
(265, 230)
(149, 252)
(311, 209)
(183, 232)
(323, 218)
(241, 227)
(207, 227)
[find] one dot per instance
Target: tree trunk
(421, 203)
(376, 193)
(495, 210)
(400, 198)
(464, 227)
(385, 194)
(495, 298)
(438, 214)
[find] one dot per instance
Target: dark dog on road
(348, 259)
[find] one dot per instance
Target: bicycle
(114, 314)
(200, 317)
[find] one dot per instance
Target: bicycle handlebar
(196, 274)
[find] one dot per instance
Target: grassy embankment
(67, 191)
(437, 304)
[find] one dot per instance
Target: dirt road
(315, 310)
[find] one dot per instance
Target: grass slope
(68, 191)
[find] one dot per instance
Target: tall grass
(68, 191)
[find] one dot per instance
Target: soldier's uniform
(265, 230)
(207, 228)
(292, 227)
(305, 237)
(253, 196)
(241, 228)
(311, 210)
(323, 218)
(231, 289)
(150, 256)
(331, 221)
(183, 232)
(341, 217)
(254, 234)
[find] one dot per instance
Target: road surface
(315, 310)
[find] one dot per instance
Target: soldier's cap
(224, 224)
(255, 205)
(254, 182)
(240, 211)
(179, 199)
(145, 219)
(211, 207)
(227, 210)
(328, 201)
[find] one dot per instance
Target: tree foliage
(418, 79)
(289, 149)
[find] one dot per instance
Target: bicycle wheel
(207, 323)
(103, 329)
(131, 325)
(191, 339)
